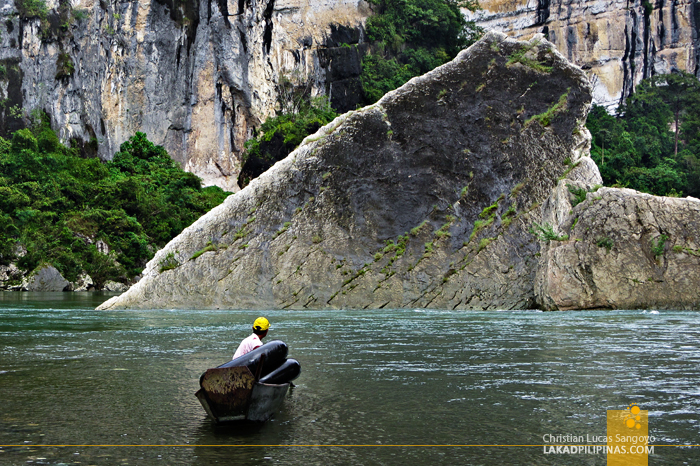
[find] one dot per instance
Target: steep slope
(196, 76)
(424, 199)
(618, 43)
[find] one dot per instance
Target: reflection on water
(70, 375)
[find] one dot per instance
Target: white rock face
(617, 42)
(197, 77)
(115, 286)
(83, 283)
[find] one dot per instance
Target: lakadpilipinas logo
(626, 443)
(628, 437)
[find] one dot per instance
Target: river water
(119, 386)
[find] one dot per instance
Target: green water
(70, 375)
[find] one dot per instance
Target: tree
(410, 38)
(678, 92)
(654, 142)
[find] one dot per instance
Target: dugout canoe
(230, 394)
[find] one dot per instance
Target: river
(119, 386)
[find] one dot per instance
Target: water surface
(70, 375)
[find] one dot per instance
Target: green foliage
(658, 248)
(653, 145)
(546, 118)
(64, 66)
(521, 57)
(80, 15)
(58, 205)
(416, 230)
(546, 232)
(410, 38)
(209, 247)
(484, 243)
(579, 194)
(479, 225)
(169, 262)
(32, 9)
(605, 242)
(444, 230)
(489, 211)
(281, 134)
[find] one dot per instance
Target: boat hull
(231, 394)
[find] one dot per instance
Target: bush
(58, 205)
(410, 38)
(546, 232)
(282, 134)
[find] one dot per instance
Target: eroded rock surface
(196, 76)
(626, 250)
(617, 42)
(422, 200)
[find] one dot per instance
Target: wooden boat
(234, 394)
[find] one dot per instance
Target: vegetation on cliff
(409, 38)
(61, 209)
(300, 116)
(412, 37)
(653, 145)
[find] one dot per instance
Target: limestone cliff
(618, 42)
(196, 76)
(424, 199)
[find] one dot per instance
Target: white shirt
(248, 345)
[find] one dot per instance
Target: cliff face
(424, 199)
(197, 76)
(618, 43)
(626, 250)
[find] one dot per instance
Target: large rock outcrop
(624, 250)
(45, 278)
(196, 76)
(424, 199)
(618, 42)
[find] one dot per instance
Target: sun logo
(632, 417)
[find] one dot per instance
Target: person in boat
(260, 328)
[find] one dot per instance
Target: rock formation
(45, 278)
(618, 42)
(425, 199)
(196, 76)
(625, 250)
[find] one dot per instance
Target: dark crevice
(267, 34)
(695, 24)
(244, 41)
(633, 51)
(185, 14)
(542, 13)
(14, 99)
(662, 26)
(625, 68)
(647, 37)
(223, 9)
(675, 27)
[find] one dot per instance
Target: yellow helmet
(261, 324)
